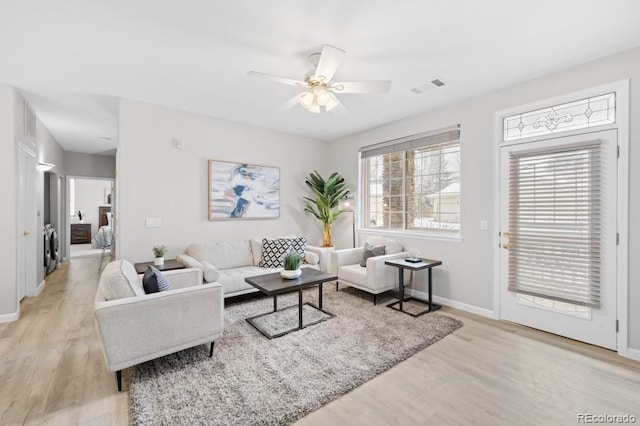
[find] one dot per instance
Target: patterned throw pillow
(298, 245)
(273, 253)
(154, 281)
(371, 251)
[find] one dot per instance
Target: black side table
(402, 264)
(169, 265)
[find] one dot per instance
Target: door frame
(621, 88)
(67, 210)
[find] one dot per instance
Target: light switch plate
(484, 225)
(178, 143)
(153, 222)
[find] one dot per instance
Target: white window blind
(413, 183)
(554, 224)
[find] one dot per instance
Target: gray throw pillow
(154, 281)
(371, 251)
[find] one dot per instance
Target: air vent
(433, 84)
(29, 123)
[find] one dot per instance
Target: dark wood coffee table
(169, 265)
(274, 284)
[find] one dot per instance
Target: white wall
(467, 272)
(89, 195)
(9, 215)
(155, 180)
(91, 165)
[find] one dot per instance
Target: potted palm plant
(159, 251)
(324, 206)
(292, 262)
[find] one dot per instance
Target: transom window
(413, 183)
(584, 113)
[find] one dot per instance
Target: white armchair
(376, 277)
(135, 327)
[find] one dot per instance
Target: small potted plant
(292, 262)
(80, 216)
(159, 251)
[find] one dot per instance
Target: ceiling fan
(319, 88)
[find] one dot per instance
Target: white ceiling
(195, 54)
(81, 123)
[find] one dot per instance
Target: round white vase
(291, 275)
(158, 261)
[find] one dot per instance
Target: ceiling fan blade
(290, 103)
(278, 79)
(330, 59)
(361, 86)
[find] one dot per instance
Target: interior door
(27, 247)
(552, 216)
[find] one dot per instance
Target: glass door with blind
(558, 236)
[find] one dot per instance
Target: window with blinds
(413, 183)
(554, 224)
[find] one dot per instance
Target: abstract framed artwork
(243, 191)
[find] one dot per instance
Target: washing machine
(51, 248)
(55, 246)
(47, 248)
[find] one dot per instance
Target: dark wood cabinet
(80, 233)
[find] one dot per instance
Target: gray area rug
(252, 380)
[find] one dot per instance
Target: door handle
(506, 245)
(26, 233)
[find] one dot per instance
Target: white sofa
(135, 327)
(376, 277)
(230, 262)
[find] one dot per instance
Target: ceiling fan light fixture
(306, 99)
(322, 97)
(309, 102)
(332, 102)
(314, 109)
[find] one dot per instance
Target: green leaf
(327, 195)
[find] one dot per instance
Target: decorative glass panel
(585, 113)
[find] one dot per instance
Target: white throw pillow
(273, 253)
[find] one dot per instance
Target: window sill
(419, 234)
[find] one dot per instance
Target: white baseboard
(633, 354)
(452, 303)
(38, 290)
(9, 317)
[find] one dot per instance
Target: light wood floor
(488, 372)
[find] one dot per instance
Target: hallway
(53, 369)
